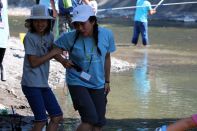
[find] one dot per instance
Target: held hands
(56, 51)
(67, 63)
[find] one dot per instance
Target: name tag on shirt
(85, 75)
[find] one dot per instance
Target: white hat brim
(80, 19)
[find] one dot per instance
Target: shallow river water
(161, 89)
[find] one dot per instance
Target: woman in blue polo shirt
(88, 68)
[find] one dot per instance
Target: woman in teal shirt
(140, 21)
(88, 68)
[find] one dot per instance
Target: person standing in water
(88, 67)
(140, 21)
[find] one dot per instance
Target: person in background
(4, 33)
(37, 44)
(140, 21)
(88, 67)
(94, 5)
(181, 125)
(65, 12)
(64, 15)
(51, 8)
(91, 3)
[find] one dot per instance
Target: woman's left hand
(107, 88)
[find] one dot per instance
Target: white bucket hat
(82, 13)
(39, 12)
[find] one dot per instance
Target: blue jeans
(140, 27)
(40, 101)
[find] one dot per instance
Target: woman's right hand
(67, 63)
(56, 51)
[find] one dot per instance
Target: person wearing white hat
(88, 67)
(65, 9)
(37, 44)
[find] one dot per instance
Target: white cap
(82, 13)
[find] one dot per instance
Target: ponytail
(95, 32)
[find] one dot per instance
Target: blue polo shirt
(85, 55)
(4, 27)
(141, 13)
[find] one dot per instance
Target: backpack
(66, 6)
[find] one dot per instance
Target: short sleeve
(65, 41)
(29, 45)
(148, 5)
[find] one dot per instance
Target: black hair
(37, 1)
(30, 27)
(1, 4)
(95, 33)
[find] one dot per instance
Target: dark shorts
(90, 103)
(40, 101)
(2, 52)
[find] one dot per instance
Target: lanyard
(89, 57)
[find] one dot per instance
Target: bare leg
(54, 123)
(38, 126)
(84, 127)
(182, 125)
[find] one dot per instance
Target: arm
(66, 63)
(36, 61)
(107, 72)
(182, 125)
(53, 8)
(87, 2)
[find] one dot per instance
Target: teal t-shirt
(4, 27)
(142, 11)
(85, 55)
